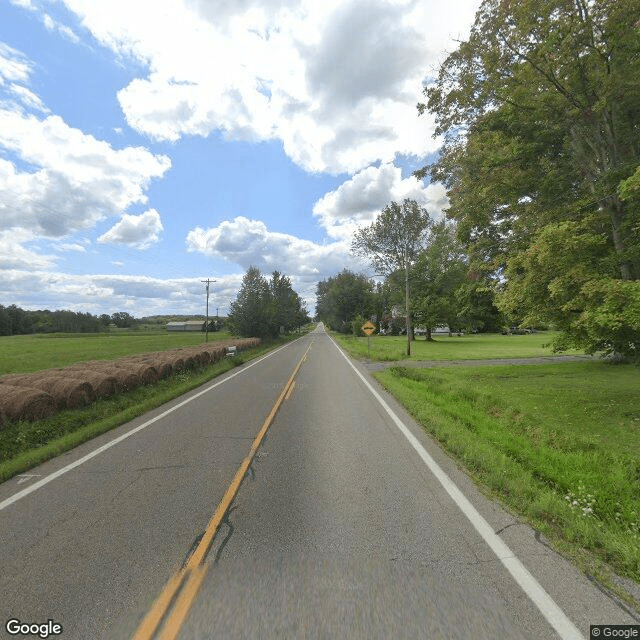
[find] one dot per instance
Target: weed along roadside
(25, 443)
(558, 444)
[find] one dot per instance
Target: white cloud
(14, 255)
(337, 82)
(357, 201)
(107, 293)
(14, 66)
(139, 231)
(24, 4)
(52, 25)
(27, 98)
(77, 247)
(78, 180)
(249, 242)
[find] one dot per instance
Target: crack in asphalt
(230, 531)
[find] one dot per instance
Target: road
(349, 522)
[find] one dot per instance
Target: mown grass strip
(558, 444)
(24, 444)
(465, 347)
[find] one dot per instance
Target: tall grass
(558, 443)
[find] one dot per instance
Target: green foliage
(393, 242)
(288, 309)
(396, 237)
(123, 320)
(441, 268)
(343, 297)
(567, 278)
(15, 321)
(539, 109)
(610, 322)
(475, 304)
(263, 307)
(356, 326)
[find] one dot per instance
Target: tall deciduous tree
(342, 297)
(440, 270)
(393, 243)
(540, 110)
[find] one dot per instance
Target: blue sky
(146, 145)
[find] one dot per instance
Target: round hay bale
(163, 367)
(24, 403)
(103, 385)
(126, 378)
(69, 393)
(146, 372)
(204, 357)
(177, 363)
(189, 361)
(14, 378)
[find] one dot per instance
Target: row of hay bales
(32, 396)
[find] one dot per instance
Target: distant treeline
(16, 321)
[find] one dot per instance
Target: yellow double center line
(173, 604)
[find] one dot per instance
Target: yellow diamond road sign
(368, 328)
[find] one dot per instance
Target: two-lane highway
(340, 528)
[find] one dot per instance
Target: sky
(148, 145)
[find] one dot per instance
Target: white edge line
(56, 474)
(554, 615)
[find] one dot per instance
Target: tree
(288, 310)
(539, 109)
(262, 307)
(440, 270)
(393, 242)
(249, 314)
(343, 297)
(123, 320)
(476, 307)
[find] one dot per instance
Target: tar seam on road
(554, 615)
(173, 604)
(56, 474)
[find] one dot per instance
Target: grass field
(466, 347)
(559, 443)
(24, 354)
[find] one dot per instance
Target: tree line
(265, 308)
(17, 321)
(427, 281)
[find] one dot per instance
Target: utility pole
(208, 281)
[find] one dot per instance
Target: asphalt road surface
(290, 498)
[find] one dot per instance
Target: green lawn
(23, 354)
(559, 443)
(466, 347)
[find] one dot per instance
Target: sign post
(368, 328)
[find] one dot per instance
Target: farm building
(188, 325)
